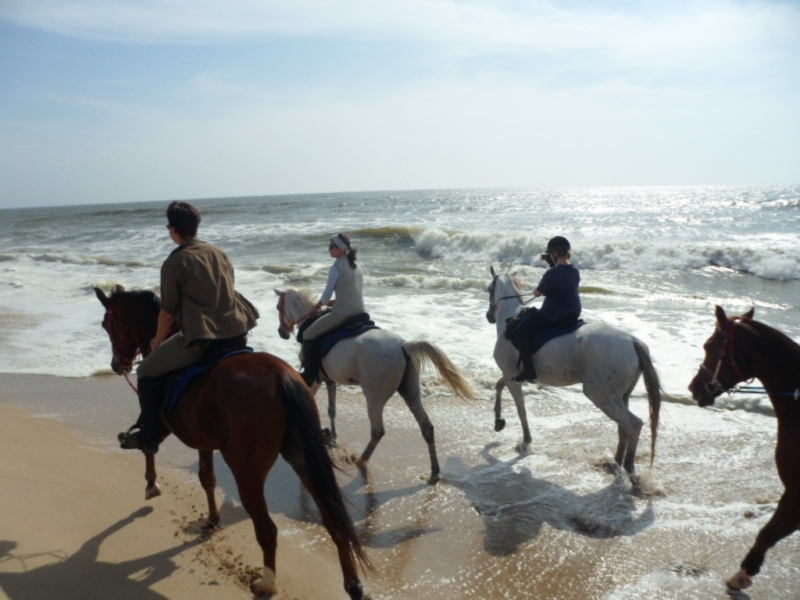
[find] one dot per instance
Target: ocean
(654, 261)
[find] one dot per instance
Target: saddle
(542, 337)
(315, 350)
(174, 383)
(354, 326)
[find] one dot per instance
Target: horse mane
(136, 297)
(516, 282)
(307, 295)
(788, 347)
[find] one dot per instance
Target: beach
(553, 523)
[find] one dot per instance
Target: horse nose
(490, 317)
(282, 333)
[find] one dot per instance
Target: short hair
(184, 218)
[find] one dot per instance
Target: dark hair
(351, 250)
(184, 218)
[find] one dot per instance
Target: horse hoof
(740, 581)
(356, 592)
(152, 491)
(327, 438)
(434, 479)
(499, 424)
(266, 585)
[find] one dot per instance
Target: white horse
(605, 359)
(382, 363)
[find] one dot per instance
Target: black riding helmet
(558, 243)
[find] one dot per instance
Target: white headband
(339, 243)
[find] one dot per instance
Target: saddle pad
(177, 382)
(545, 336)
(327, 342)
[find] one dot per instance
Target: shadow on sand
(81, 575)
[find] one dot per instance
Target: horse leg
(153, 489)
(377, 431)
(331, 411)
(499, 421)
(519, 400)
(785, 521)
(250, 474)
(411, 393)
(629, 426)
(208, 480)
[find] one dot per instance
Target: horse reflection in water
(251, 407)
(604, 359)
(741, 349)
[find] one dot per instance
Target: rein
(751, 389)
(519, 296)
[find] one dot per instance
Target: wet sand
(554, 523)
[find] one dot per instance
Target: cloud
(503, 25)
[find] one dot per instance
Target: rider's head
(556, 248)
(342, 242)
(184, 218)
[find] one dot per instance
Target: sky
(134, 100)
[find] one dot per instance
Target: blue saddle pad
(329, 341)
(185, 377)
(545, 336)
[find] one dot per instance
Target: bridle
(713, 386)
(493, 303)
(125, 362)
(287, 323)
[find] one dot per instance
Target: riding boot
(149, 435)
(150, 403)
(310, 372)
(528, 372)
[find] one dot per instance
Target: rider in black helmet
(560, 309)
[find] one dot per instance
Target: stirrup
(524, 378)
(132, 440)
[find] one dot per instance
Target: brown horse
(741, 349)
(250, 407)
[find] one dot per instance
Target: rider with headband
(346, 282)
(560, 309)
(198, 294)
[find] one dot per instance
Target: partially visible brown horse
(250, 407)
(741, 349)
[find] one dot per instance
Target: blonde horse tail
(653, 386)
(423, 353)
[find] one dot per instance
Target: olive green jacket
(197, 289)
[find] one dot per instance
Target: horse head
(126, 325)
(721, 369)
(503, 287)
(294, 306)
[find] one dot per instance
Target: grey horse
(605, 359)
(382, 363)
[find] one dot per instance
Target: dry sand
(75, 525)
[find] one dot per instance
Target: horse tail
(653, 386)
(423, 353)
(319, 468)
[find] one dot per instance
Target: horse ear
(722, 318)
(118, 289)
(491, 268)
(277, 292)
(749, 314)
(101, 296)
